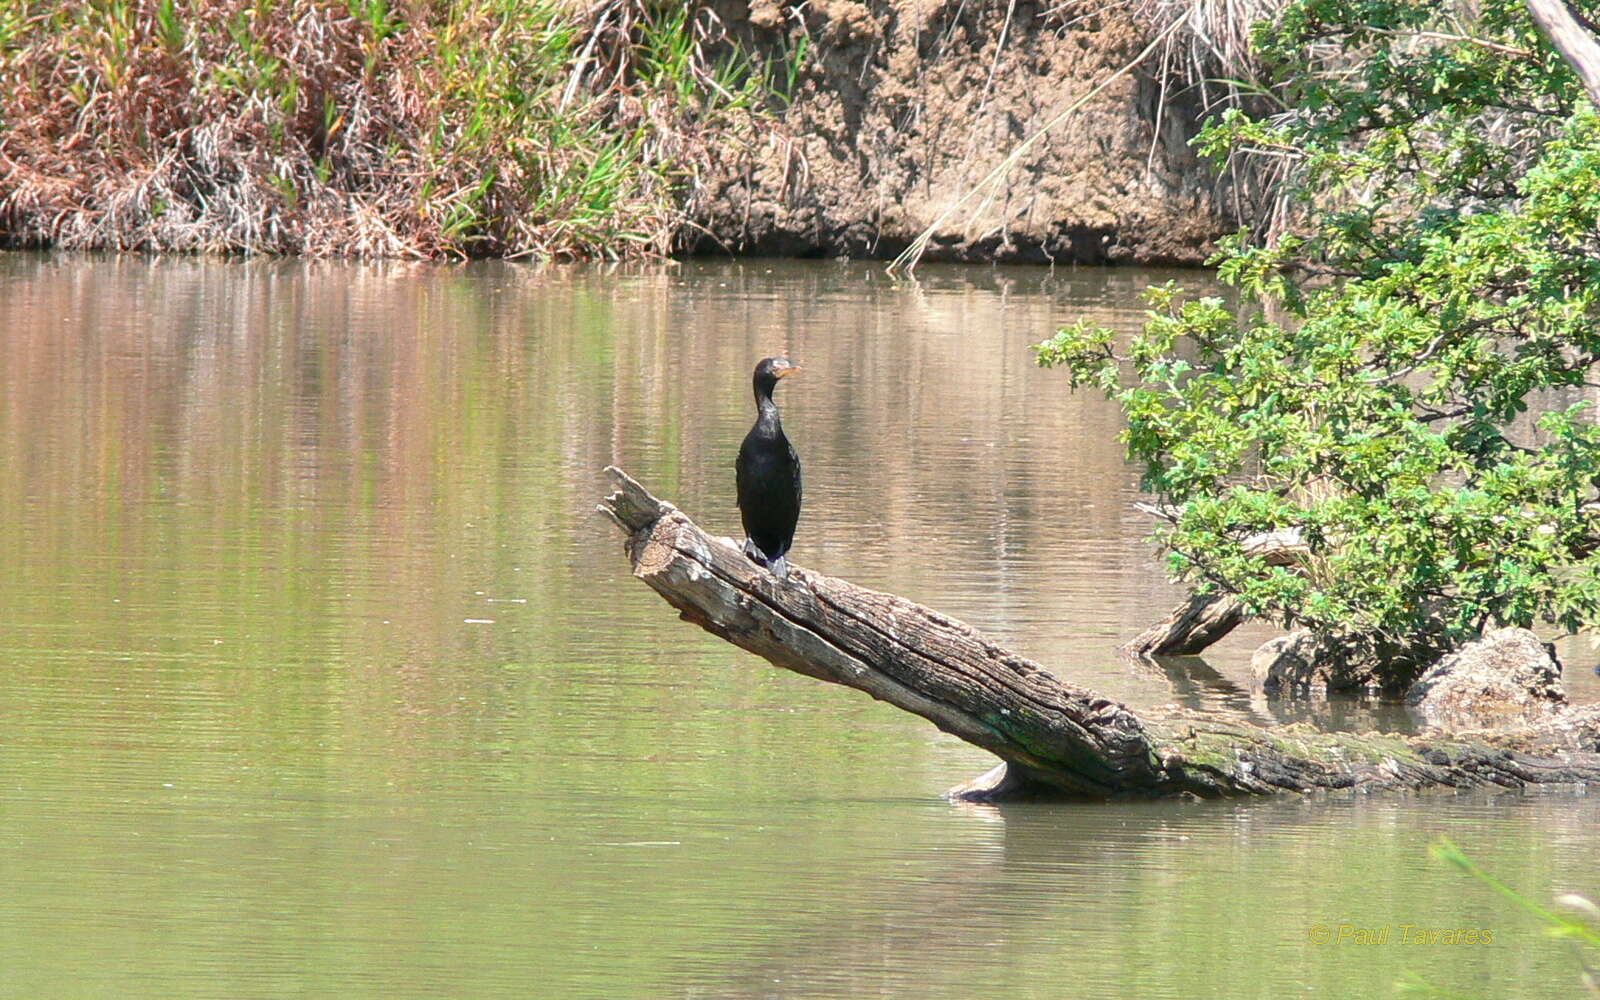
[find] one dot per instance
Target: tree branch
(1579, 48)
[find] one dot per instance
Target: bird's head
(769, 371)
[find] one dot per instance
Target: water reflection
(1153, 900)
(319, 674)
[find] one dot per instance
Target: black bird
(768, 477)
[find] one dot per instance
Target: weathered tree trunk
(1053, 737)
(1570, 38)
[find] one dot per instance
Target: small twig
(583, 59)
(994, 65)
(1445, 36)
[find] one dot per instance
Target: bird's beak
(786, 372)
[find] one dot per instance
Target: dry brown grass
(356, 128)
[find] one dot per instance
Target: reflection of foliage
(1372, 391)
(1582, 929)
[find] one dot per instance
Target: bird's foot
(754, 554)
(778, 567)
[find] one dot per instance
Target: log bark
(1053, 737)
(1192, 626)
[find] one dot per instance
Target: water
(320, 677)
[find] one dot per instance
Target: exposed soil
(362, 144)
(904, 105)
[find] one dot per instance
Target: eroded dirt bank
(582, 129)
(903, 105)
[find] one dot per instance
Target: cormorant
(768, 477)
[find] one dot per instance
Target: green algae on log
(1054, 737)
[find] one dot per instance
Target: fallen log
(1053, 737)
(1205, 619)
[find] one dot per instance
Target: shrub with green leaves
(1406, 374)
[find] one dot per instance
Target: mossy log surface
(1054, 737)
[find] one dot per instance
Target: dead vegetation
(485, 127)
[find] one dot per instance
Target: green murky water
(319, 676)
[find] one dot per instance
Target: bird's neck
(767, 412)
